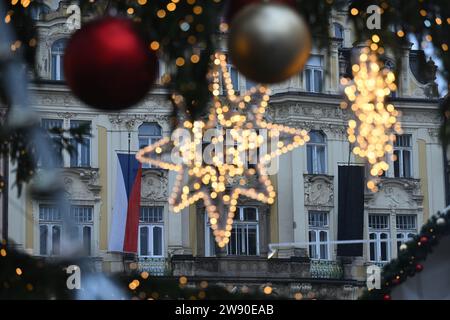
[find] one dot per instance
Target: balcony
(324, 269)
(154, 266)
(233, 267)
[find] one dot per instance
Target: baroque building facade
(305, 211)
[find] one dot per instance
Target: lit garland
(376, 122)
(411, 256)
(210, 182)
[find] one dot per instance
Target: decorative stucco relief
(82, 183)
(319, 190)
(396, 194)
(154, 185)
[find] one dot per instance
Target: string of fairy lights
(243, 117)
(376, 122)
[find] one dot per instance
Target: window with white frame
(50, 124)
(57, 52)
(148, 133)
(81, 157)
(403, 156)
(406, 228)
(244, 239)
(313, 74)
(318, 235)
(151, 231)
(379, 249)
(316, 153)
(50, 227)
(81, 231)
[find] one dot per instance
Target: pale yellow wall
(273, 220)
(423, 177)
(103, 168)
(29, 229)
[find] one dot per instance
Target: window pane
(378, 221)
(400, 240)
(252, 241)
(312, 247)
(396, 164)
(323, 247)
(232, 245)
(317, 81)
(384, 247)
(51, 123)
(234, 78)
(86, 153)
(250, 214)
(57, 51)
(314, 61)
(56, 240)
(316, 137)
(372, 236)
(212, 243)
(43, 236)
(143, 142)
(338, 31)
(405, 222)
(55, 60)
(81, 156)
(309, 156)
(308, 75)
(151, 214)
(406, 163)
(157, 241)
(150, 129)
(240, 241)
(320, 159)
(143, 241)
(87, 240)
(318, 219)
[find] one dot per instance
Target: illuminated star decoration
(219, 173)
(376, 123)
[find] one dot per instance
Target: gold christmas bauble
(269, 42)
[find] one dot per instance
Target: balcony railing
(324, 269)
(154, 266)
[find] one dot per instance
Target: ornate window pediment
(319, 190)
(396, 194)
(154, 185)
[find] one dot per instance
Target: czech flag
(125, 218)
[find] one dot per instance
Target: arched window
(58, 48)
(148, 133)
(313, 74)
(316, 153)
(37, 8)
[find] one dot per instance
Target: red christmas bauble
(236, 5)
(423, 240)
(387, 297)
(419, 267)
(107, 64)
